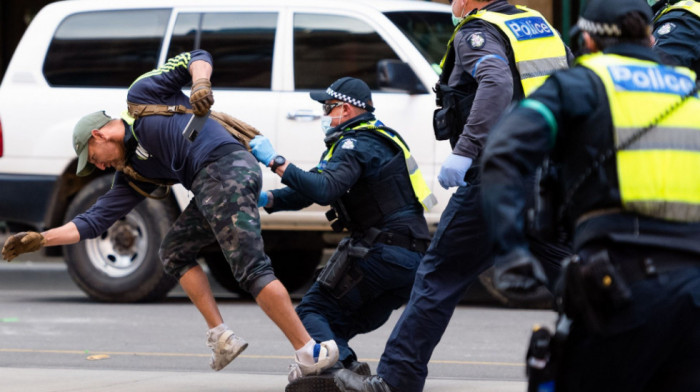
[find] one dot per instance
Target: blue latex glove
(262, 149)
(262, 200)
(453, 170)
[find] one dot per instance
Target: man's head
(605, 23)
(344, 99)
(460, 8)
(98, 144)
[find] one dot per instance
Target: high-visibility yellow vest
(537, 48)
(691, 6)
(658, 174)
(420, 187)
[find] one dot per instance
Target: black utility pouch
(449, 120)
(593, 289)
(340, 275)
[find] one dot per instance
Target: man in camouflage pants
(225, 180)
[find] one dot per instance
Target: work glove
(24, 242)
(201, 97)
(262, 149)
(519, 277)
(453, 170)
(263, 199)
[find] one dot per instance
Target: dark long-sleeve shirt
(170, 156)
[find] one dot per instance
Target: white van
(80, 56)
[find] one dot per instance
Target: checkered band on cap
(347, 98)
(600, 29)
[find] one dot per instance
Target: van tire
(293, 266)
(122, 264)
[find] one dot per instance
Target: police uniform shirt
(518, 144)
(483, 66)
(361, 153)
(677, 39)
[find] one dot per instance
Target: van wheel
(122, 264)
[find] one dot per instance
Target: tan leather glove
(24, 242)
(201, 97)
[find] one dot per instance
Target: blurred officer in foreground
(677, 32)
(375, 189)
(147, 148)
(498, 54)
(623, 134)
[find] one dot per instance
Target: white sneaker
(225, 349)
(325, 355)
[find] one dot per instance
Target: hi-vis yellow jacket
(420, 187)
(658, 174)
(537, 47)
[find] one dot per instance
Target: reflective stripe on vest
(659, 174)
(420, 187)
(537, 48)
(691, 6)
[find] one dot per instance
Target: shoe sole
(235, 355)
(323, 383)
(362, 369)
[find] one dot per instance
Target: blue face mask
(326, 124)
(456, 20)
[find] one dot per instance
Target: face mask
(326, 124)
(456, 20)
(652, 2)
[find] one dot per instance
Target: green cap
(82, 134)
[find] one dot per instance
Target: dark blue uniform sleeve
(113, 205)
(340, 173)
(677, 36)
(518, 144)
(481, 53)
(287, 199)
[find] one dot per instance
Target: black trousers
(650, 344)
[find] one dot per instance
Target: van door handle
(303, 115)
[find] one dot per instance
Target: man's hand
(519, 277)
(262, 150)
(201, 97)
(24, 242)
(453, 170)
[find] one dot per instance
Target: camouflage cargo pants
(224, 209)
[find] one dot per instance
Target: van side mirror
(395, 75)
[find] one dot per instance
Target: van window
(105, 48)
(327, 47)
(241, 44)
(428, 31)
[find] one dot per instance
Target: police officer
(623, 133)
(375, 189)
(225, 180)
(677, 32)
(498, 54)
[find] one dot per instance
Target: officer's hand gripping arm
(24, 242)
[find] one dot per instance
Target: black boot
(348, 381)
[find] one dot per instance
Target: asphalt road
(54, 338)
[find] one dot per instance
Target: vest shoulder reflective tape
(691, 6)
(658, 174)
(420, 187)
(537, 48)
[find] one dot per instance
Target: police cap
(601, 17)
(351, 90)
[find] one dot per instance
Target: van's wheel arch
(294, 255)
(122, 264)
